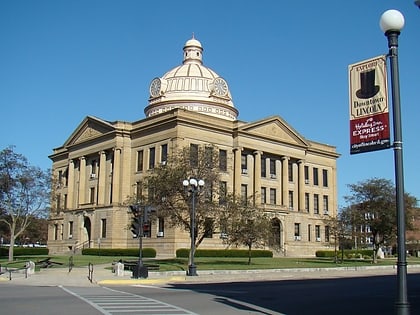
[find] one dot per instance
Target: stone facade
(97, 168)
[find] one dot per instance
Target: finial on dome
(193, 51)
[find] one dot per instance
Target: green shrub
(24, 251)
(348, 253)
(146, 252)
(184, 253)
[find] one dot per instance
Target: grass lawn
(207, 263)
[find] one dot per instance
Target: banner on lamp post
(369, 110)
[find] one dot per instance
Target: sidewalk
(100, 276)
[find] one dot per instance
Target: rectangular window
(60, 178)
(65, 202)
(244, 194)
(164, 154)
(309, 233)
(55, 232)
(93, 167)
(92, 195)
(194, 155)
(306, 173)
(290, 200)
(316, 203)
(263, 195)
(208, 228)
(327, 233)
(70, 229)
(263, 168)
(244, 164)
(325, 204)
(297, 231)
(161, 227)
(315, 173)
(103, 228)
(325, 178)
(58, 202)
(140, 161)
(272, 168)
(139, 191)
(290, 171)
(307, 202)
(152, 156)
(208, 156)
(223, 160)
(273, 196)
(222, 192)
(318, 233)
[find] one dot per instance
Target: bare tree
(244, 224)
(24, 193)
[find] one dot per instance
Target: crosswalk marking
(119, 302)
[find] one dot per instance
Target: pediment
(274, 128)
(89, 128)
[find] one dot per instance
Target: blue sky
(63, 60)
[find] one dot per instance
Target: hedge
(185, 252)
(24, 251)
(146, 252)
(348, 253)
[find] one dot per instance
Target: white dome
(191, 86)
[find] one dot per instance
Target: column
(301, 185)
(102, 178)
(257, 177)
(116, 176)
(285, 180)
(70, 186)
(279, 180)
(237, 171)
(82, 180)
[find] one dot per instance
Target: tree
(372, 211)
(244, 224)
(170, 199)
(24, 193)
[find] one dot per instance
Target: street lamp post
(391, 23)
(193, 186)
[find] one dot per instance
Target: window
(263, 195)
(58, 202)
(307, 202)
(70, 229)
(161, 227)
(297, 231)
(290, 200)
(93, 166)
(222, 192)
(60, 178)
(194, 155)
(263, 168)
(92, 195)
(315, 173)
(152, 155)
(223, 160)
(327, 233)
(325, 178)
(273, 168)
(273, 196)
(140, 161)
(290, 171)
(309, 233)
(164, 154)
(244, 193)
(208, 155)
(139, 192)
(318, 233)
(244, 164)
(306, 174)
(325, 204)
(103, 228)
(316, 203)
(55, 232)
(65, 201)
(208, 228)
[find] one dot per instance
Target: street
(363, 295)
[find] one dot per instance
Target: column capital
(285, 158)
(257, 152)
(301, 161)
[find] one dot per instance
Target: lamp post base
(192, 270)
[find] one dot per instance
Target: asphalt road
(362, 295)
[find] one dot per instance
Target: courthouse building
(100, 164)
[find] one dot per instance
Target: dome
(191, 86)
